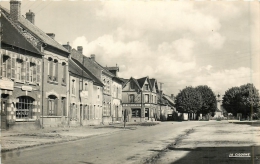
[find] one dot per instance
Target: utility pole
(161, 101)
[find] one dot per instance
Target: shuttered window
(13, 63)
(8, 67)
(18, 70)
(34, 73)
(38, 72)
(52, 105)
(23, 71)
(28, 73)
(4, 65)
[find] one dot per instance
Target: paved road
(127, 146)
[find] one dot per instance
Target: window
(146, 87)
(131, 98)
(108, 87)
(155, 100)
(80, 85)
(151, 98)
(146, 98)
(64, 73)
(73, 89)
(63, 106)
(52, 105)
(136, 112)
(132, 85)
(5, 61)
(73, 112)
(50, 68)
(86, 87)
(55, 70)
(31, 74)
(24, 107)
(86, 112)
(116, 92)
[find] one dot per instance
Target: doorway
(146, 115)
(3, 111)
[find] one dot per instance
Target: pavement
(20, 138)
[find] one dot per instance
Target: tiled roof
(92, 76)
(102, 68)
(169, 99)
(75, 69)
(14, 37)
(37, 32)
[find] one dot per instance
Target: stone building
(42, 73)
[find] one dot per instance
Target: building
(85, 95)
(139, 99)
(20, 72)
(116, 94)
(110, 111)
(51, 69)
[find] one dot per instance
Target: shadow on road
(219, 155)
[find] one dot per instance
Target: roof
(36, 32)
(92, 76)
(75, 69)
(104, 70)
(141, 81)
(14, 37)
(169, 99)
(134, 80)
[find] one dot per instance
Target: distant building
(140, 100)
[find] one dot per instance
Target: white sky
(178, 43)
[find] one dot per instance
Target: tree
(209, 101)
(188, 100)
(243, 99)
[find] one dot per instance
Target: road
(126, 146)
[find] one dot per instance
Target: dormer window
(132, 85)
(146, 87)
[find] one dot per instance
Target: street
(142, 145)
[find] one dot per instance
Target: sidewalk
(19, 139)
(15, 139)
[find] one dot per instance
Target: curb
(3, 150)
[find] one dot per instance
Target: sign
(6, 84)
(131, 104)
(26, 88)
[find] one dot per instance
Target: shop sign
(26, 88)
(6, 84)
(131, 104)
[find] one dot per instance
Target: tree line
(202, 100)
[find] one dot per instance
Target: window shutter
(27, 71)
(51, 68)
(34, 74)
(9, 68)
(1, 63)
(13, 61)
(64, 73)
(23, 71)
(38, 73)
(56, 70)
(56, 107)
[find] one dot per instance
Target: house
(20, 72)
(51, 73)
(140, 100)
(111, 108)
(85, 95)
(116, 94)
(167, 107)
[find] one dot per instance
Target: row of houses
(50, 84)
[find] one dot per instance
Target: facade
(116, 94)
(48, 69)
(139, 100)
(111, 109)
(85, 95)
(20, 73)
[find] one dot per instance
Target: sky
(179, 43)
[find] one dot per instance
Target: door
(146, 114)
(3, 113)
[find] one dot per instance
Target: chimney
(52, 35)
(30, 16)
(80, 49)
(15, 10)
(172, 96)
(93, 57)
(67, 46)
